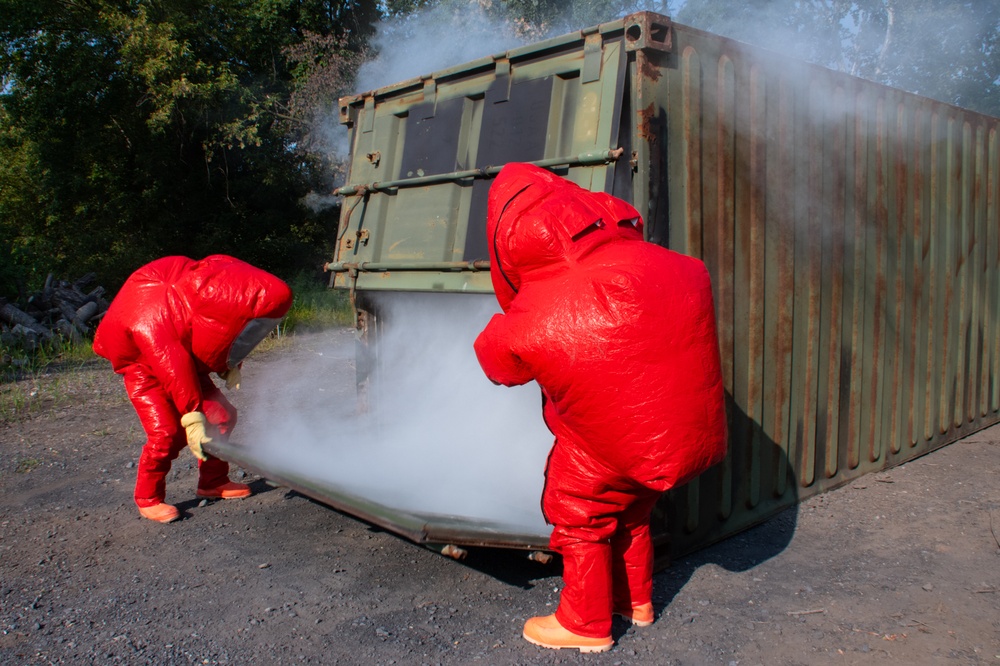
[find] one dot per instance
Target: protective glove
(194, 423)
(232, 377)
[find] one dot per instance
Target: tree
(157, 128)
(21, 247)
(323, 69)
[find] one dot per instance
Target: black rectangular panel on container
(432, 138)
(513, 131)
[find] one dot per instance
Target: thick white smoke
(440, 36)
(439, 439)
(451, 32)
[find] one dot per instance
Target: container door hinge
(430, 98)
(369, 115)
(500, 90)
(593, 54)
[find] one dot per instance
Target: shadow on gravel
(761, 499)
(511, 566)
(258, 487)
(508, 565)
(738, 553)
(756, 535)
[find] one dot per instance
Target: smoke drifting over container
(432, 39)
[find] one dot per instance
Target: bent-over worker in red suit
(175, 321)
(620, 334)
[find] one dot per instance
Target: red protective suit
(174, 321)
(620, 334)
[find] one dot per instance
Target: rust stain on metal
(881, 223)
(838, 189)
(645, 123)
(855, 379)
(902, 303)
(648, 70)
(814, 253)
(785, 235)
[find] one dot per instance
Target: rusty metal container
(851, 230)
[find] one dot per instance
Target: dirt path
(901, 567)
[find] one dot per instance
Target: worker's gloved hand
(232, 377)
(194, 423)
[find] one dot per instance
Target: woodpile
(61, 311)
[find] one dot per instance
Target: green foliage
(130, 131)
(21, 251)
(21, 392)
(316, 307)
(25, 465)
(17, 362)
(323, 69)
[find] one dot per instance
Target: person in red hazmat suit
(175, 321)
(620, 334)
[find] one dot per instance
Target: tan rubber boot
(640, 616)
(228, 490)
(161, 513)
(548, 633)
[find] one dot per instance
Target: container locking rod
(388, 266)
(592, 158)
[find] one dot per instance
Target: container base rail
(448, 534)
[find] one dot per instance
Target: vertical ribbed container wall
(851, 231)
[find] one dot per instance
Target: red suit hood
(539, 221)
(179, 317)
(618, 332)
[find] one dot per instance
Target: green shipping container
(851, 231)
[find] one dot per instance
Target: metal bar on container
(388, 266)
(583, 159)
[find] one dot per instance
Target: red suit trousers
(165, 438)
(601, 529)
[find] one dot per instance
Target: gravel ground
(899, 567)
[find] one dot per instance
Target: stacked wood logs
(60, 311)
